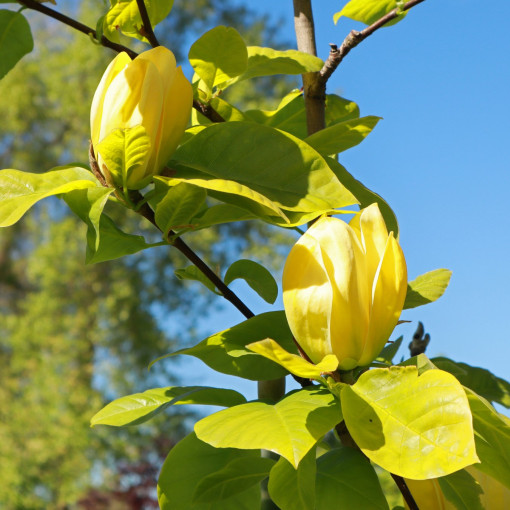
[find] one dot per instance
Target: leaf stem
(147, 30)
(406, 493)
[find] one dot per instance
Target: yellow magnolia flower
(149, 91)
(344, 287)
(429, 496)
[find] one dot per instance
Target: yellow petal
(294, 364)
(428, 495)
(96, 111)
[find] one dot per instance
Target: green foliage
(226, 351)
(461, 489)
(15, 39)
(392, 414)
(368, 11)
(390, 350)
(427, 288)
(187, 466)
(294, 489)
(256, 276)
(291, 427)
(344, 474)
(140, 407)
(194, 274)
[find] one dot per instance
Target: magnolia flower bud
(344, 287)
(149, 91)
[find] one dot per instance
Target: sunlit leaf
(294, 489)
(368, 11)
(188, 463)
(415, 427)
(462, 490)
(237, 476)
(227, 111)
(290, 427)
(19, 191)
(427, 288)
(256, 276)
(342, 136)
(219, 55)
(390, 350)
(15, 39)
(226, 351)
(140, 407)
(346, 475)
(293, 363)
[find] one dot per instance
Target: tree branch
(336, 55)
(147, 30)
(36, 6)
(406, 493)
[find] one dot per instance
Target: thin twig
(36, 6)
(406, 493)
(336, 55)
(147, 30)
(207, 111)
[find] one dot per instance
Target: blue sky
(440, 79)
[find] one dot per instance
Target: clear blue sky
(441, 81)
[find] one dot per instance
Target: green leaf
(344, 474)
(227, 111)
(256, 276)
(492, 437)
(415, 427)
(427, 288)
(15, 39)
(293, 363)
(342, 136)
(390, 350)
(237, 476)
(364, 196)
(221, 213)
(368, 11)
(226, 351)
(461, 489)
(141, 407)
(124, 151)
(19, 191)
(180, 204)
(125, 16)
(290, 427)
(268, 62)
(219, 55)
(294, 489)
(480, 380)
(299, 179)
(194, 274)
(188, 463)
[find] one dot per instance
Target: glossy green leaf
(180, 204)
(462, 490)
(19, 191)
(125, 16)
(268, 62)
(15, 39)
(342, 136)
(194, 274)
(256, 276)
(492, 436)
(364, 196)
(346, 475)
(188, 463)
(368, 11)
(480, 380)
(293, 363)
(299, 179)
(427, 288)
(294, 489)
(390, 350)
(219, 55)
(124, 151)
(226, 351)
(237, 476)
(221, 213)
(141, 407)
(290, 427)
(290, 116)
(415, 427)
(227, 111)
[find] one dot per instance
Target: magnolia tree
(176, 153)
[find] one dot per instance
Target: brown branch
(336, 55)
(207, 111)
(147, 30)
(36, 6)
(406, 493)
